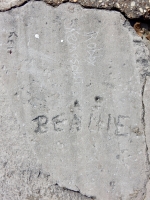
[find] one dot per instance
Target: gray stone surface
(74, 105)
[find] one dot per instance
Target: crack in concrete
(143, 106)
(144, 124)
(130, 11)
(77, 192)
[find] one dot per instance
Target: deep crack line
(77, 192)
(143, 105)
(5, 5)
(143, 118)
(144, 126)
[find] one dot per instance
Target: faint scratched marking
(11, 41)
(90, 35)
(109, 121)
(92, 49)
(94, 121)
(44, 56)
(121, 125)
(72, 37)
(75, 123)
(12, 34)
(41, 124)
(58, 122)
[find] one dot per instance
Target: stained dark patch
(10, 51)
(76, 104)
(98, 98)
(112, 184)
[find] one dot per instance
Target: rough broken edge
(134, 13)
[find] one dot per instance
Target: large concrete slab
(72, 105)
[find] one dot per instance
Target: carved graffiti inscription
(41, 122)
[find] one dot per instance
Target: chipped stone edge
(5, 6)
(31, 170)
(9, 5)
(144, 73)
(78, 191)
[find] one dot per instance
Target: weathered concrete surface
(73, 105)
(132, 8)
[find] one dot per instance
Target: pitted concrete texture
(132, 8)
(74, 105)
